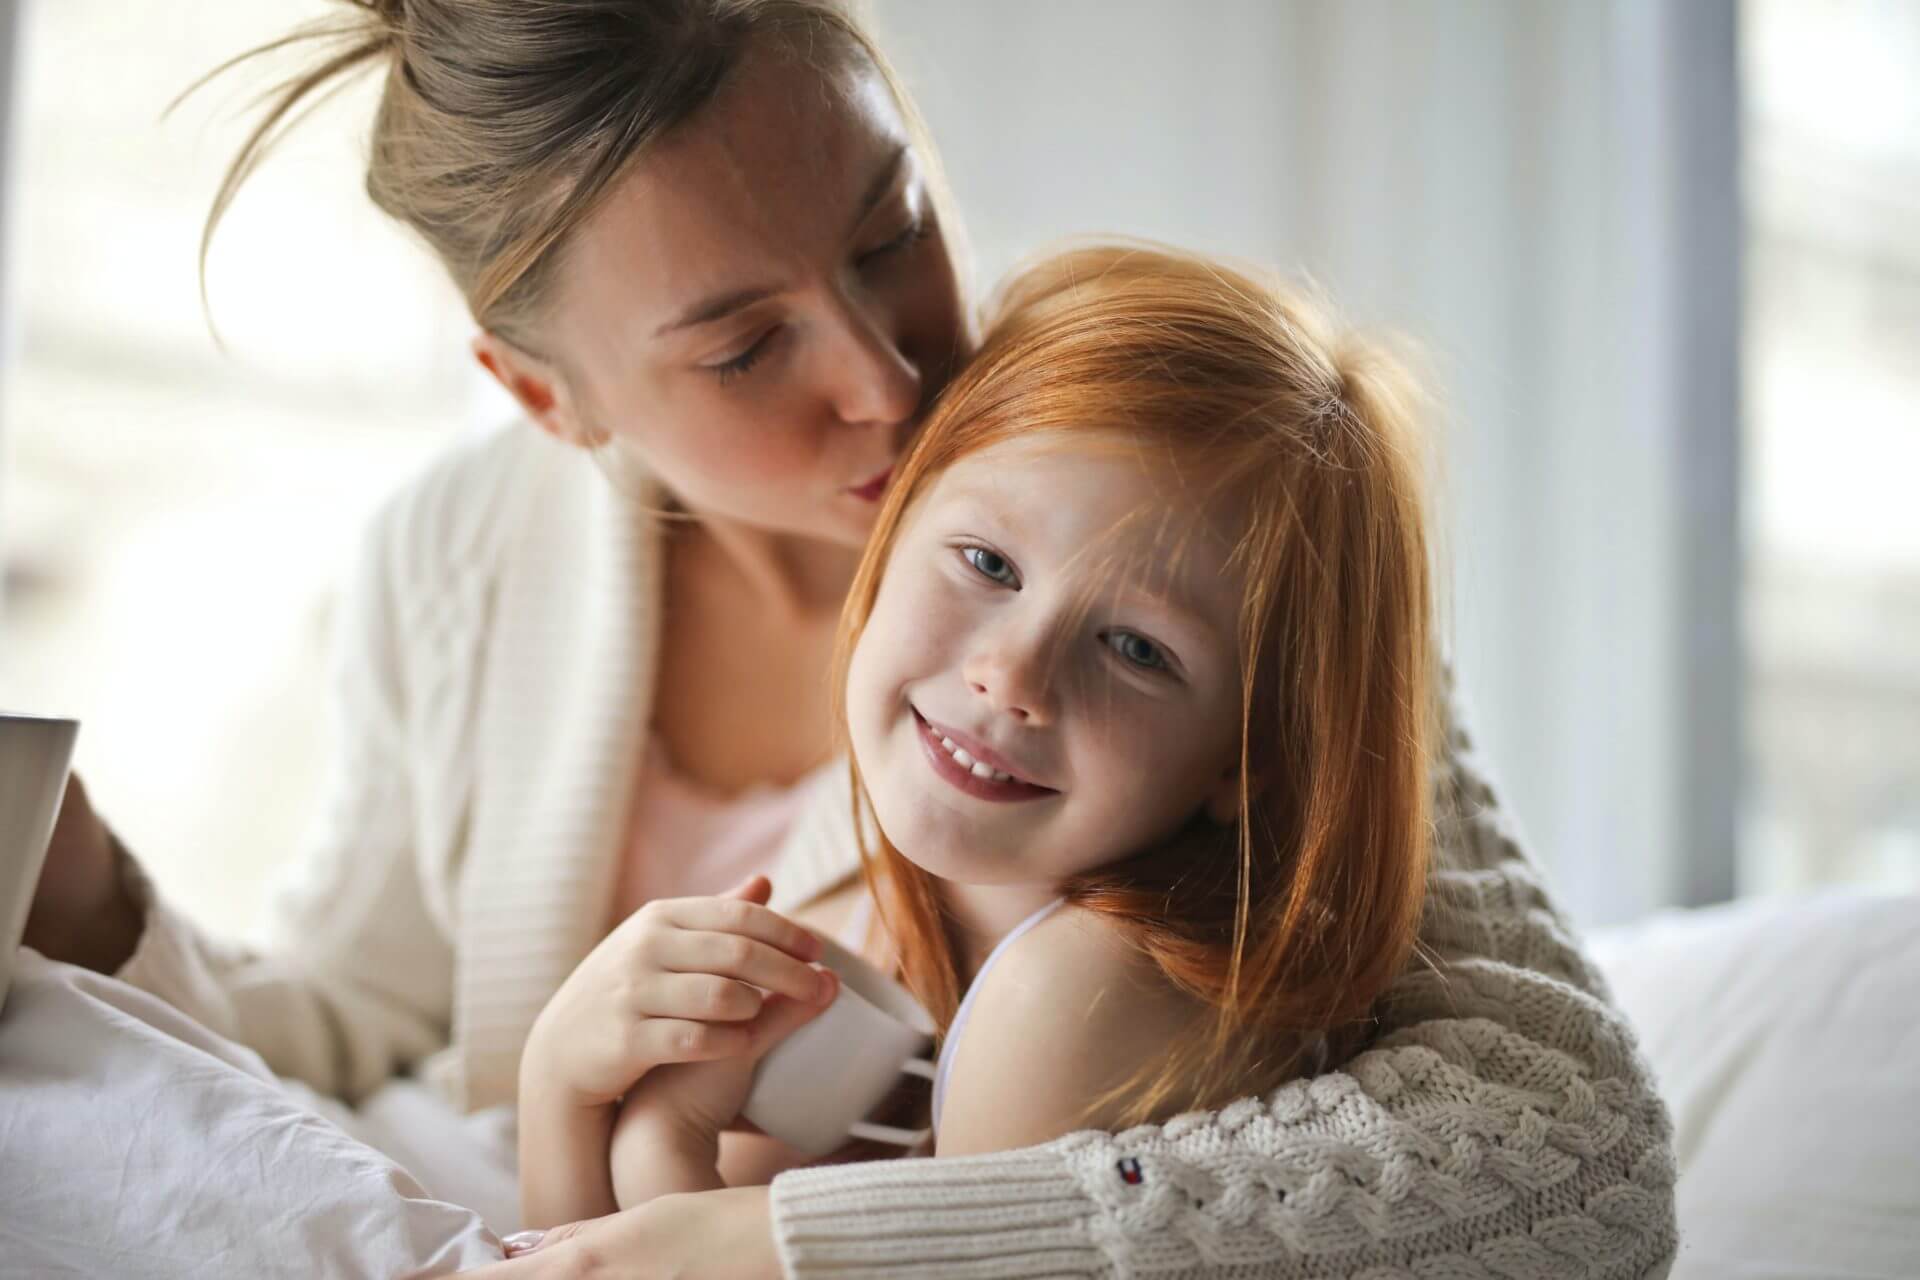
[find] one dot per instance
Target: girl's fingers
(702, 997)
(731, 956)
(665, 1040)
(748, 919)
(754, 889)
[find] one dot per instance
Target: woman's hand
(712, 1235)
(82, 910)
(680, 980)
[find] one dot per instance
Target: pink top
(688, 840)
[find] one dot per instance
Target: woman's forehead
(765, 182)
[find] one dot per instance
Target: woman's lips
(963, 778)
(872, 489)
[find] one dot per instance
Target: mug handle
(895, 1137)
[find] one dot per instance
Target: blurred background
(1663, 258)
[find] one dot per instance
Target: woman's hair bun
(391, 12)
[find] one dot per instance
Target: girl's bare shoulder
(1071, 1010)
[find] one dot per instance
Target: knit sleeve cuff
(1015, 1213)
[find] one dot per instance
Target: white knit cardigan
(494, 681)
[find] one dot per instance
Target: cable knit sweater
(494, 685)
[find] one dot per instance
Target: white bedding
(1785, 1035)
(133, 1143)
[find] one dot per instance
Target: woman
(704, 244)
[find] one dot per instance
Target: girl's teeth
(971, 765)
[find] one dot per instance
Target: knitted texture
(1502, 1125)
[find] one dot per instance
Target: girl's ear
(539, 388)
(1223, 801)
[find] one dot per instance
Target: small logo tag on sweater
(1130, 1172)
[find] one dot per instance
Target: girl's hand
(82, 912)
(667, 1137)
(705, 1098)
(716, 1235)
(680, 980)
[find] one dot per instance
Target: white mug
(34, 754)
(814, 1089)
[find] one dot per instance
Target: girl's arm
(1503, 1122)
(565, 1174)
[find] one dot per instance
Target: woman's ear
(1223, 801)
(539, 388)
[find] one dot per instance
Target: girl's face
(765, 304)
(1044, 686)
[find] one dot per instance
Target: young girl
(1137, 674)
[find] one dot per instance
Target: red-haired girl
(1138, 677)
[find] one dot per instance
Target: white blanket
(134, 1143)
(1784, 1039)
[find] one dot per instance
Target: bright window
(176, 515)
(1833, 443)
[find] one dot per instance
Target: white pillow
(134, 1143)
(1785, 1039)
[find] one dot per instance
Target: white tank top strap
(959, 1026)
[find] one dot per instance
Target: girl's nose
(1014, 681)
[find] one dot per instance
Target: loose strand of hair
(279, 120)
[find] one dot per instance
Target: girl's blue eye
(990, 565)
(1137, 649)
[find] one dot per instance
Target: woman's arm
(1502, 1122)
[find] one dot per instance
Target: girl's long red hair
(1290, 923)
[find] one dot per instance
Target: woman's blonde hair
(503, 123)
(1290, 923)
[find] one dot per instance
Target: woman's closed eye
(742, 362)
(912, 234)
(734, 366)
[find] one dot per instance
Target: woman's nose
(874, 380)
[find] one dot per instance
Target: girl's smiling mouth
(970, 766)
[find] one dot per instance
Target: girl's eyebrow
(981, 499)
(1182, 608)
(721, 305)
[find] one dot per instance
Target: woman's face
(1049, 680)
(765, 304)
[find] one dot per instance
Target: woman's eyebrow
(720, 306)
(717, 307)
